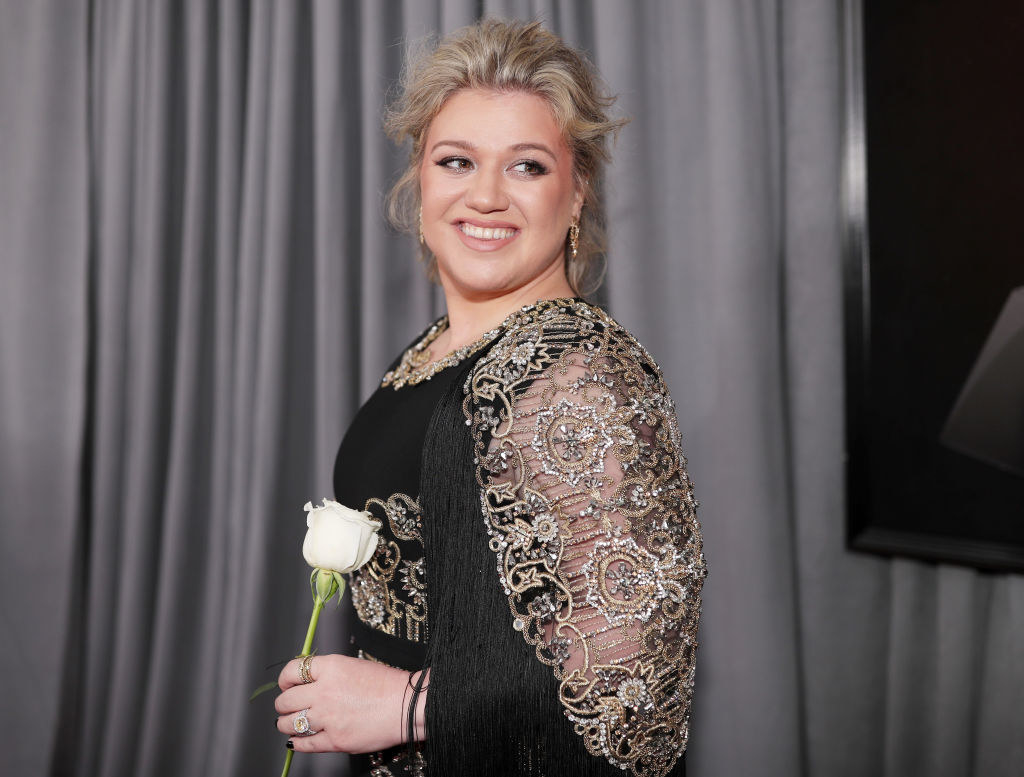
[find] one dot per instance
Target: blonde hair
(511, 56)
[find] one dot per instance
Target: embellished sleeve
(592, 521)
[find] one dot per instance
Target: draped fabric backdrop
(198, 290)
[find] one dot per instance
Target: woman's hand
(354, 705)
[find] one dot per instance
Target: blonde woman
(532, 607)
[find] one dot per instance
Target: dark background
(945, 122)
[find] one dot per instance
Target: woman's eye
(529, 167)
(457, 163)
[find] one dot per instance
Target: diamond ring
(301, 725)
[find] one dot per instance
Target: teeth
(485, 233)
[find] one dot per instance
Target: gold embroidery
(379, 601)
(416, 365)
(592, 520)
(396, 763)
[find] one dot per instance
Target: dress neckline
(416, 365)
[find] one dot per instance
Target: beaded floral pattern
(592, 519)
(389, 592)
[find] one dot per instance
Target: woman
(532, 606)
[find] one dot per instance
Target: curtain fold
(44, 246)
(198, 289)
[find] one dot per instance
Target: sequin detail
(396, 763)
(389, 593)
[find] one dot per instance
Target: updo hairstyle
(510, 56)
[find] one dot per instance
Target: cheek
(560, 197)
(553, 206)
(435, 194)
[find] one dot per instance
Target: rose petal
(339, 538)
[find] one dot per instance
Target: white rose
(339, 538)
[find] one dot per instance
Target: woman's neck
(469, 318)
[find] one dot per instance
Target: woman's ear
(577, 203)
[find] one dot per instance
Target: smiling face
(498, 195)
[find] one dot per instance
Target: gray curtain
(198, 290)
(44, 232)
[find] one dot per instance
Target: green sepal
(325, 584)
(339, 579)
(312, 583)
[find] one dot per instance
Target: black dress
(539, 552)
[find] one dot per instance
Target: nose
(486, 191)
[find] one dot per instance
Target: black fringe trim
(493, 707)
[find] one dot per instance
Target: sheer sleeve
(591, 518)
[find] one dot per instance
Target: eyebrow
(517, 147)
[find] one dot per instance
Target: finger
(316, 743)
(296, 698)
(291, 675)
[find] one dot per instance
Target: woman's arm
(591, 515)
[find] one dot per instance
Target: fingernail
(290, 745)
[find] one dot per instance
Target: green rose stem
(324, 583)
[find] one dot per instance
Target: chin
(489, 273)
(479, 288)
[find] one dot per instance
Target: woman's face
(498, 194)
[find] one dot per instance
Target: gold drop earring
(574, 237)
(422, 241)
